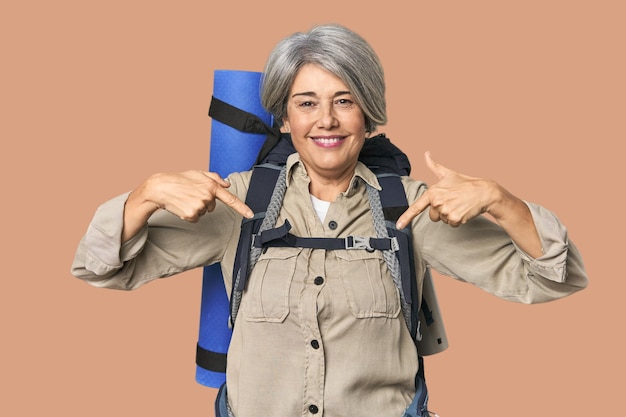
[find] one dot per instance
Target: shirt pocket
(369, 291)
(266, 298)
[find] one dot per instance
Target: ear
(285, 127)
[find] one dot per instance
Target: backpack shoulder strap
(426, 321)
(394, 203)
(262, 183)
(260, 192)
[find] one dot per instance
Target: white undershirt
(320, 206)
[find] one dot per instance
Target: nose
(327, 117)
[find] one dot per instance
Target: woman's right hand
(188, 195)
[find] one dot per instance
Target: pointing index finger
(232, 201)
(414, 210)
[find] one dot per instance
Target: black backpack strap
(260, 190)
(389, 164)
(246, 122)
(236, 118)
(394, 202)
(280, 237)
(210, 360)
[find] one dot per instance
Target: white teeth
(327, 141)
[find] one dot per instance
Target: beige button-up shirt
(324, 328)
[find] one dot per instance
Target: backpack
(389, 164)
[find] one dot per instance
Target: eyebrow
(313, 94)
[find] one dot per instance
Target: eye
(344, 102)
(306, 104)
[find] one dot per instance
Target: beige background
(98, 95)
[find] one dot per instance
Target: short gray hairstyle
(338, 50)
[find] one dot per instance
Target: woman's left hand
(456, 198)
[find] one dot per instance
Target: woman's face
(327, 127)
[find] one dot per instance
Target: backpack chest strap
(280, 237)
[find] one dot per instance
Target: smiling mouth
(328, 141)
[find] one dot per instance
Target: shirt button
(313, 409)
(315, 344)
(332, 224)
(318, 281)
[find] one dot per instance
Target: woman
(306, 313)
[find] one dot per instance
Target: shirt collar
(362, 172)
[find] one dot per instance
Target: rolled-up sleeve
(560, 270)
(102, 240)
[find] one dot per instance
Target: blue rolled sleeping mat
(231, 150)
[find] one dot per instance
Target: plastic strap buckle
(358, 242)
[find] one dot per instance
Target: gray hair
(339, 51)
